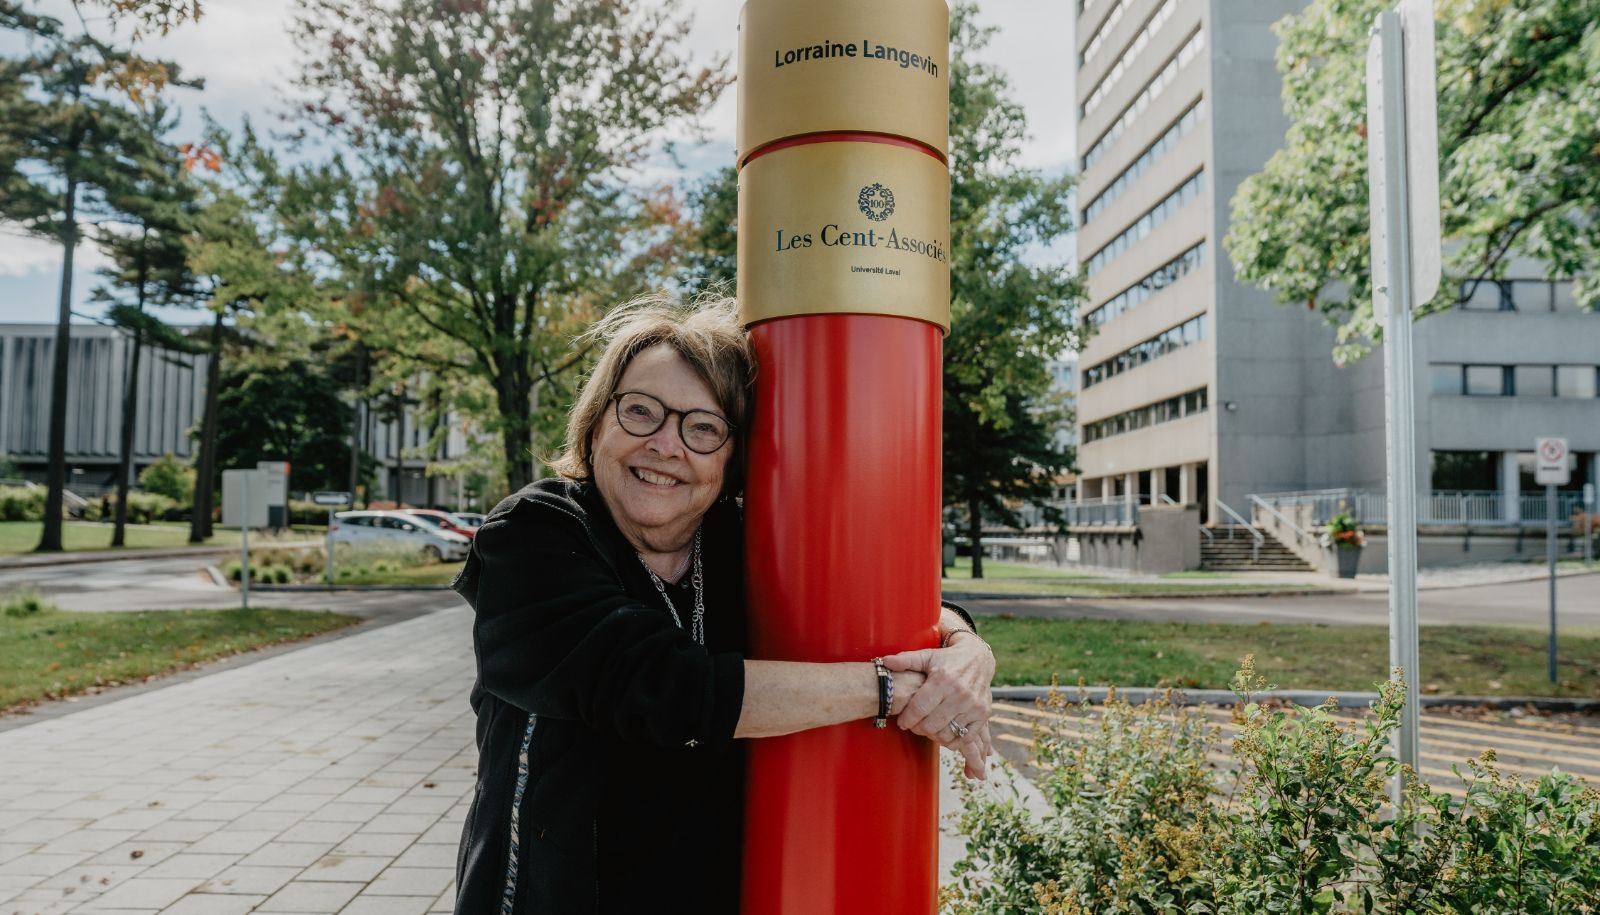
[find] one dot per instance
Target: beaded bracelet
(885, 693)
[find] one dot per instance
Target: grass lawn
(994, 569)
(433, 573)
(54, 653)
(22, 536)
(1110, 587)
(1456, 660)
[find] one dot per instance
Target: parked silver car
(398, 528)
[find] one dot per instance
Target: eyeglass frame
(616, 410)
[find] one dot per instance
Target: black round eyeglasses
(640, 414)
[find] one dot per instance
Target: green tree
(1009, 316)
(68, 149)
(710, 253)
(169, 477)
(1519, 143)
(483, 200)
(149, 265)
(291, 410)
(262, 292)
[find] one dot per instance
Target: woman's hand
(956, 690)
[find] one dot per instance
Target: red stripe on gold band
(841, 136)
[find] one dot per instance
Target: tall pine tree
(70, 141)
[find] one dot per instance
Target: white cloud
(21, 255)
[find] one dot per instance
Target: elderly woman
(613, 692)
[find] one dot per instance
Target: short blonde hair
(705, 332)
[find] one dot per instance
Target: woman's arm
(782, 697)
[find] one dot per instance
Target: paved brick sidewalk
(329, 779)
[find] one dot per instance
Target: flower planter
(1348, 560)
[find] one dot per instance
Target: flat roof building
(1200, 388)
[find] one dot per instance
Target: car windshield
(426, 521)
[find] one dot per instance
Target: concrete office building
(171, 401)
(1199, 388)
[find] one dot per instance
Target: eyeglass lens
(640, 414)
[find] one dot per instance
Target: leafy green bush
(1139, 822)
(24, 601)
(284, 565)
(22, 503)
(168, 477)
(146, 507)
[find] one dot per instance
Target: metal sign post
(1551, 470)
(334, 501)
(1588, 523)
(1403, 179)
(244, 505)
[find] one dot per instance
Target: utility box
(277, 492)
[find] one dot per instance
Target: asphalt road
(1518, 603)
(150, 584)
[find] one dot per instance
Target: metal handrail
(1255, 548)
(1301, 534)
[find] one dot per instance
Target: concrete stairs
(1222, 554)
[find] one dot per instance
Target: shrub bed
(1139, 821)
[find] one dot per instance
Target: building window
(1152, 90)
(1128, 56)
(1147, 223)
(1534, 381)
(1184, 405)
(1169, 340)
(1524, 295)
(1485, 295)
(1098, 41)
(1454, 471)
(1577, 381)
(1139, 166)
(1159, 279)
(1488, 380)
(1445, 378)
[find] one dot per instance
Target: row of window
(1152, 90)
(1454, 378)
(1147, 223)
(1518, 295)
(1173, 338)
(1479, 471)
(1139, 166)
(1098, 39)
(1129, 55)
(1159, 279)
(1190, 404)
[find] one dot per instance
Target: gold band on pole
(853, 227)
(837, 65)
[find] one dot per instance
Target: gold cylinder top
(875, 66)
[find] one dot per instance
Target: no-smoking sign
(1552, 469)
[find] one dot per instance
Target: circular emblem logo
(876, 202)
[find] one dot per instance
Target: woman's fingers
(975, 755)
(917, 660)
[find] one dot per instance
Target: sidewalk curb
(1097, 695)
(1158, 595)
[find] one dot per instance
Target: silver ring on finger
(957, 729)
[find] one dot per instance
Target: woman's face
(657, 489)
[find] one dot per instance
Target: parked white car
(399, 528)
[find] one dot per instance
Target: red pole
(844, 283)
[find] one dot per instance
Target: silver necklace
(698, 621)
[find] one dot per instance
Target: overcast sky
(242, 49)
